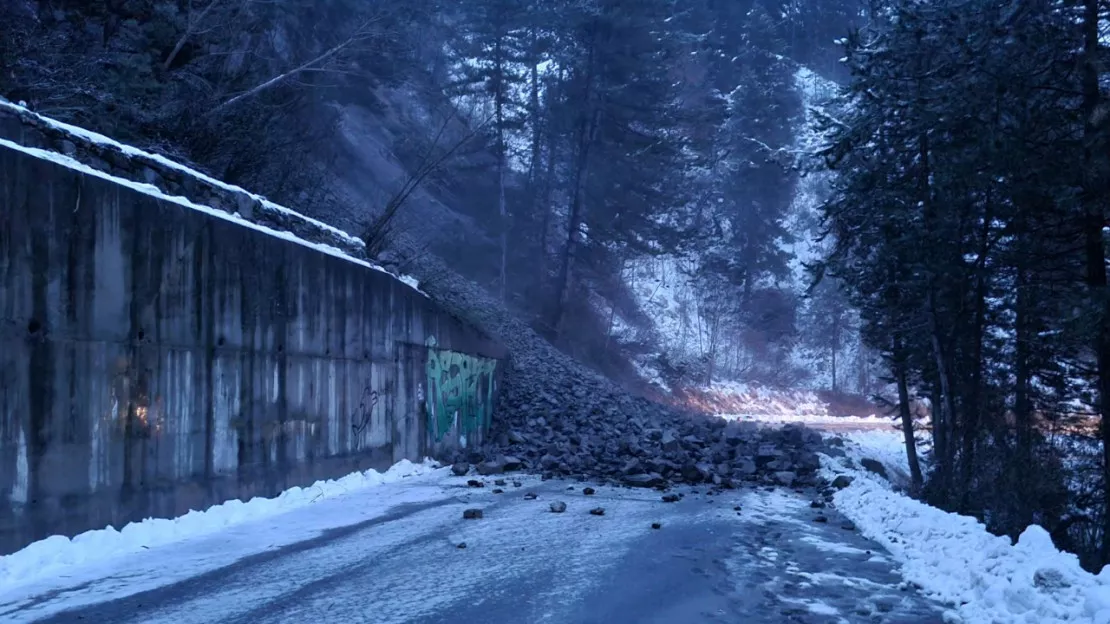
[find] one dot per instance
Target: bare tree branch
(319, 63)
(378, 232)
(190, 29)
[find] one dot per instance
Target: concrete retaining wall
(155, 359)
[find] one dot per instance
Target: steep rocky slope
(559, 418)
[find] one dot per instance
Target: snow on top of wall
(149, 189)
(94, 137)
(153, 191)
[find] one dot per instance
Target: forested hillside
(547, 150)
(969, 214)
(898, 195)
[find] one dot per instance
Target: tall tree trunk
(835, 347)
(613, 313)
(1023, 416)
(545, 219)
(863, 376)
(534, 114)
(940, 443)
(574, 231)
(499, 115)
(972, 413)
(905, 415)
(947, 406)
(587, 124)
(714, 337)
(1094, 220)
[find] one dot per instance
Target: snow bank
(983, 578)
(811, 419)
(886, 446)
(149, 189)
(743, 401)
(54, 555)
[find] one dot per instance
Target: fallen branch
(319, 63)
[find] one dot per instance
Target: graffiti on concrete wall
(460, 392)
(362, 415)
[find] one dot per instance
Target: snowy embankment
(813, 419)
(758, 402)
(983, 578)
(59, 556)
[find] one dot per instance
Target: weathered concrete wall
(156, 359)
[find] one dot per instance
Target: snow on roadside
(983, 578)
(817, 419)
(887, 446)
(53, 556)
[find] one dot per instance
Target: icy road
(396, 554)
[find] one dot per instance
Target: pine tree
(957, 190)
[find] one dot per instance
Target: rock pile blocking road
(558, 418)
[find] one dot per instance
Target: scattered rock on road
(558, 507)
(656, 525)
(461, 545)
(530, 496)
(488, 468)
(472, 514)
(821, 519)
(588, 491)
(875, 466)
(597, 511)
(642, 480)
(474, 483)
(671, 498)
(785, 478)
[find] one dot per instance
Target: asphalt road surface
(707, 562)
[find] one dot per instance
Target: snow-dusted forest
(893, 198)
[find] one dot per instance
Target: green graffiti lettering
(460, 392)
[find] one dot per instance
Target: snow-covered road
(768, 562)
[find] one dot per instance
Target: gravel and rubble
(558, 418)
